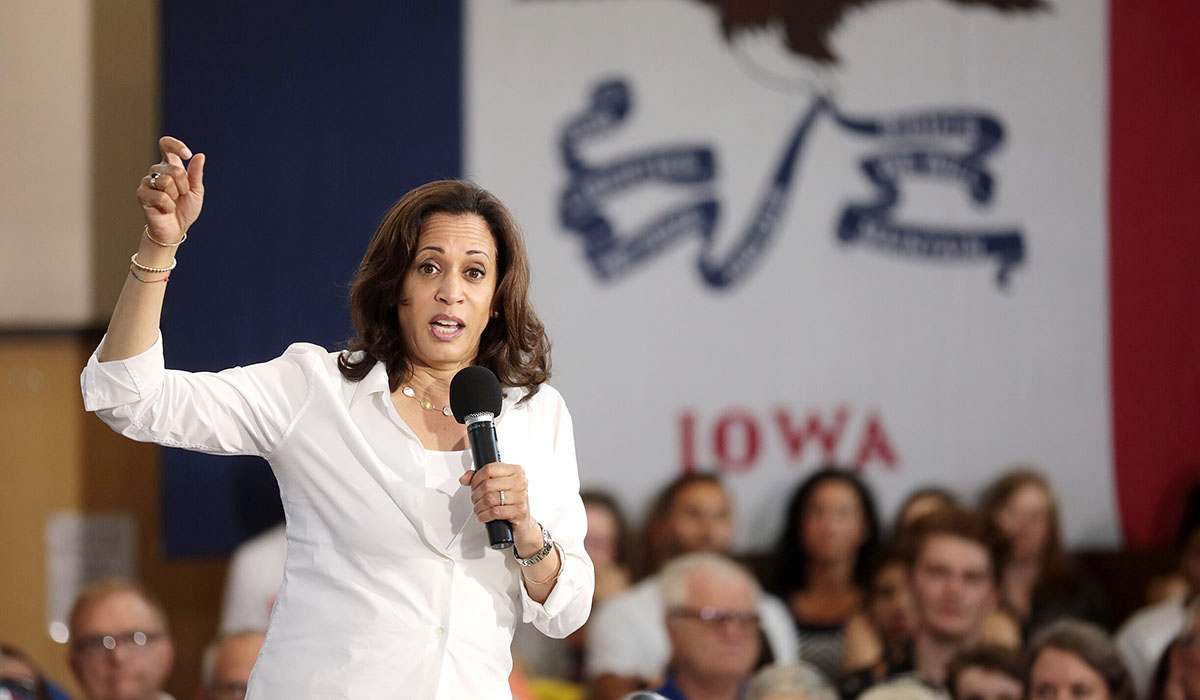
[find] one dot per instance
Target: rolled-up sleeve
(107, 385)
(243, 410)
(570, 601)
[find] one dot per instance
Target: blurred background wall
(316, 118)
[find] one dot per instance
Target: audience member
(712, 623)
(882, 632)
(953, 572)
(922, 502)
(255, 573)
(798, 681)
(607, 543)
(628, 647)
(120, 646)
(690, 514)
(985, 672)
(1144, 637)
(830, 534)
(1177, 674)
(1072, 659)
(903, 689)
(1039, 582)
(20, 676)
(228, 661)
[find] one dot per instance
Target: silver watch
(548, 544)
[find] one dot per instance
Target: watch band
(548, 544)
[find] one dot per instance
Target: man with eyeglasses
(627, 644)
(225, 670)
(712, 622)
(120, 645)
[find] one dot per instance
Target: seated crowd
(949, 602)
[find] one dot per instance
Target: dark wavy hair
(789, 551)
(513, 345)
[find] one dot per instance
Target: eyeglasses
(100, 644)
(716, 618)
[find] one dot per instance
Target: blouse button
(440, 631)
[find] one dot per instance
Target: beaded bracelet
(146, 230)
(133, 259)
(139, 279)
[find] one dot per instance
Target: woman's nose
(449, 290)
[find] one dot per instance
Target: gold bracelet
(561, 559)
(146, 230)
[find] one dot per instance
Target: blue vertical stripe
(314, 117)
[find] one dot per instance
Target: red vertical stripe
(1154, 244)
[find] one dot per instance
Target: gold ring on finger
(501, 498)
(154, 180)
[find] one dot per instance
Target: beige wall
(56, 457)
(79, 85)
(79, 89)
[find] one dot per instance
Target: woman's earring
(496, 314)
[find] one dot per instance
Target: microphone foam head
(474, 390)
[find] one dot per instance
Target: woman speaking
(390, 587)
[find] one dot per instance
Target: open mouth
(446, 327)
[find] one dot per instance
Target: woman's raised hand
(171, 195)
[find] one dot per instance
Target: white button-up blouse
(377, 601)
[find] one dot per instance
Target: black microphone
(475, 399)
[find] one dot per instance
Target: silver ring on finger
(154, 180)
(501, 498)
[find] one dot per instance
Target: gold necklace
(426, 403)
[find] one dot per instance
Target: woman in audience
(883, 630)
(1075, 660)
(607, 542)
(831, 533)
(1039, 582)
(553, 665)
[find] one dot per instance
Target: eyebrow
(484, 253)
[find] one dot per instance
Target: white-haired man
(712, 622)
(227, 664)
(627, 645)
(798, 681)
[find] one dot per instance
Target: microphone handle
(482, 435)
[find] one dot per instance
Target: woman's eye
(475, 273)
(427, 267)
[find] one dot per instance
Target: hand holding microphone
(499, 491)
